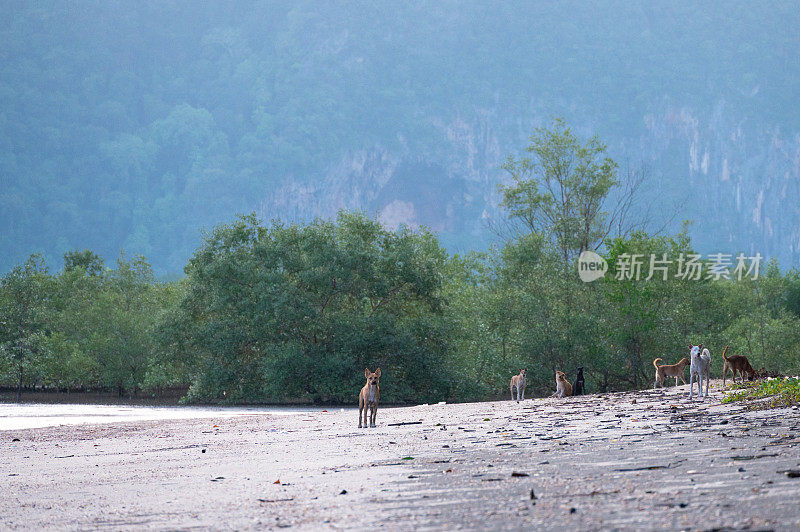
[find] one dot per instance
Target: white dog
(701, 367)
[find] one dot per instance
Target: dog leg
(702, 380)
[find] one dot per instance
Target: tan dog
(563, 387)
(737, 363)
(669, 370)
(518, 382)
(369, 397)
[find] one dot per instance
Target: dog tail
(655, 362)
(723, 352)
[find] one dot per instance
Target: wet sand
(15, 416)
(639, 460)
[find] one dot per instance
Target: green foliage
(284, 312)
(89, 261)
(782, 392)
(84, 328)
(294, 313)
(24, 296)
(560, 189)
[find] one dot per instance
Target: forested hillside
(132, 125)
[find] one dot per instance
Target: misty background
(133, 125)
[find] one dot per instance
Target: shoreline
(627, 460)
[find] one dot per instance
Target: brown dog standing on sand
(669, 370)
(369, 397)
(736, 363)
(518, 383)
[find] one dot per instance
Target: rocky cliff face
(738, 181)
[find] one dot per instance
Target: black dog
(579, 388)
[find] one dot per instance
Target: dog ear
(700, 347)
(378, 373)
(366, 372)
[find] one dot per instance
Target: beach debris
(407, 458)
(791, 473)
(519, 474)
(643, 468)
(533, 495)
(217, 479)
(202, 450)
(404, 423)
(15, 439)
(343, 492)
(277, 481)
(572, 510)
(275, 500)
(753, 456)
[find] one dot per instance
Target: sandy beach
(637, 460)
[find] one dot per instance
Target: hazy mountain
(134, 124)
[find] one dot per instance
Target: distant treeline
(275, 312)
